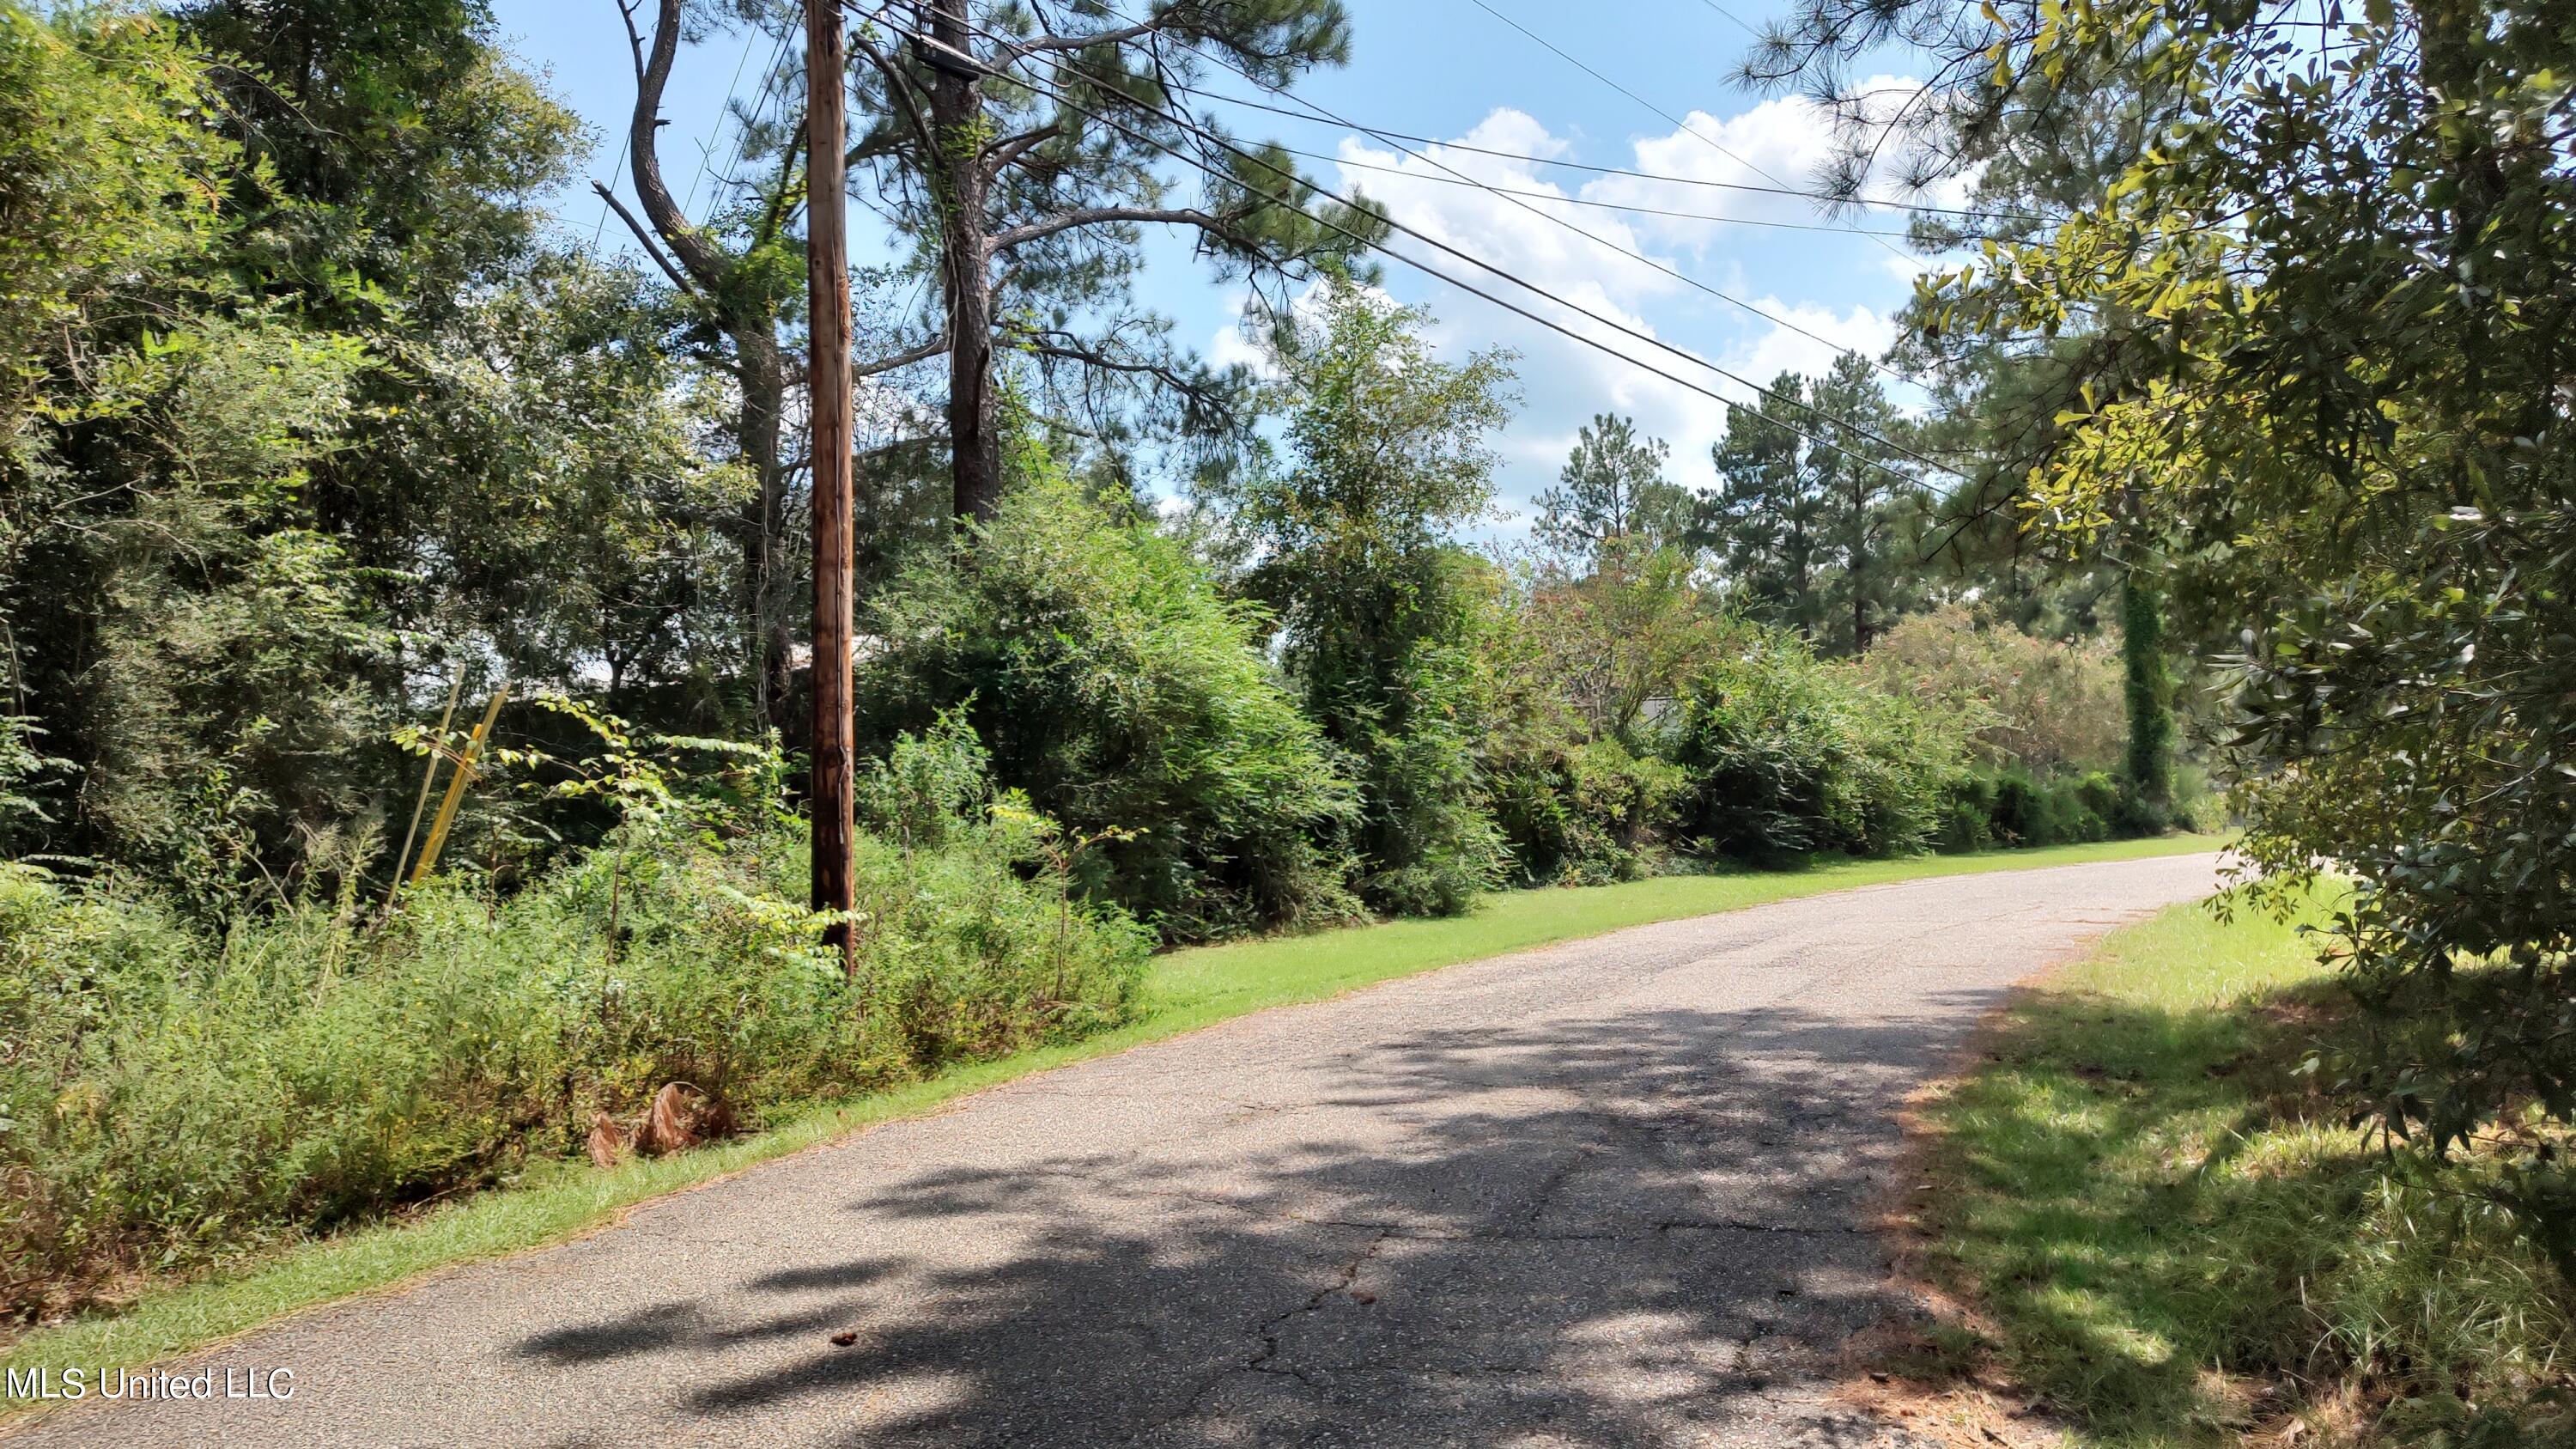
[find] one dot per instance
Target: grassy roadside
(1188, 990)
(2157, 1230)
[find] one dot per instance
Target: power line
(1663, 178)
(707, 148)
(1594, 237)
(1675, 121)
(768, 86)
(614, 167)
(1647, 337)
(1590, 201)
(1732, 18)
(1427, 269)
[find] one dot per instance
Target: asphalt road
(1605, 1193)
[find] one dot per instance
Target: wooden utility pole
(827, 278)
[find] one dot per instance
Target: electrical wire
(1647, 337)
(614, 167)
(1594, 237)
(1594, 202)
(1675, 121)
(1732, 18)
(1663, 178)
(1427, 269)
(707, 148)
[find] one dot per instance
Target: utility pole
(827, 279)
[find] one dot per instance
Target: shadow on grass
(2143, 1202)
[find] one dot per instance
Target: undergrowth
(2153, 1196)
(174, 1095)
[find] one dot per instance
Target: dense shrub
(1113, 684)
(2035, 705)
(1584, 668)
(1789, 754)
(2047, 729)
(1413, 708)
(1383, 616)
(1584, 812)
(169, 1097)
(2061, 811)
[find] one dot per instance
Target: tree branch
(1097, 215)
(634, 42)
(905, 358)
(1065, 346)
(899, 91)
(1003, 154)
(651, 247)
(1161, 20)
(700, 256)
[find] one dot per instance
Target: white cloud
(1515, 233)
(1244, 342)
(1784, 349)
(1906, 266)
(1781, 145)
(1565, 382)
(1231, 345)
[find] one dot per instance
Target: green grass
(2170, 1232)
(1188, 990)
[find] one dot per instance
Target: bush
(1414, 721)
(1585, 813)
(2013, 808)
(1790, 754)
(2035, 705)
(1130, 701)
(2062, 811)
(172, 1097)
(1383, 616)
(2047, 730)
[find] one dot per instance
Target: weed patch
(2162, 1229)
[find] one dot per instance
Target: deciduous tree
(1380, 610)
(2326, 308)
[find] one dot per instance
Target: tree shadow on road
(1645, 1228)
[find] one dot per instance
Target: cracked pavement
(1604, 1193)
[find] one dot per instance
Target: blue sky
(1451, 69)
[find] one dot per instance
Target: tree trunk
(2142, 639)
(957, 114)
(762, 528)
(1801, 585)
(1860, 567)
(759, 368)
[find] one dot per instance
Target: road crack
(1271, 1328)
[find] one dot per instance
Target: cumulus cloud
(1515, 232)
(1784, 349)
(1781, 145)
(1234, 345)
(1565, 382)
